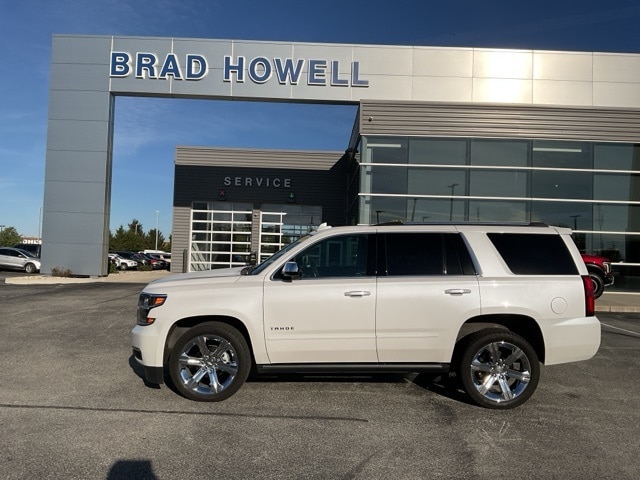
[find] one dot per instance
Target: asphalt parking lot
(73, 407)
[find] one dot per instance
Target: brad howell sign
(238, 69)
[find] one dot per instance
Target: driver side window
(340, 256)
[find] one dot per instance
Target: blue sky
(148, 130)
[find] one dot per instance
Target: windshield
(259, 268)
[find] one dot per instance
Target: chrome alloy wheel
(500, 371)
(208, 365)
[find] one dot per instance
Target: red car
(599, 271)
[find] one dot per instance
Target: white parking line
(621, 329)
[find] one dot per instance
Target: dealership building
(440, 135)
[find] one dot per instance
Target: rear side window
(426, 254)
(529, 254)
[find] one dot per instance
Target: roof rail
(497, 224)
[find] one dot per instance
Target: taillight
(589, 298)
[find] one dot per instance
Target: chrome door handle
(357, 293)
(457, 291)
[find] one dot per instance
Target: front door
(327, 315)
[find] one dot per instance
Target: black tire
(30, 268)
(499, 369)
(598, 284)
(123, 266)
(209, 362)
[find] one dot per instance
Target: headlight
(146, 302)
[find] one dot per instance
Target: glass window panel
(575, 215)
(484, 183)
(269, 249)
(221, 237)
(386, 150)
(557, 154)
(220, 247)
(428, 181)
(239, 237)
(498, 211)
(618, 218)
(200, 206)
(384, 209)
(268, 217)
(414, 254)
(616, 157)
(222, 216)
(438, 151)
(201, 215)
(389, 180)
(609, 186)
(201, 226)
(499, 152)
(221, 227)
(343, 256)
(550, 184)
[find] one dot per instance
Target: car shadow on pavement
(128, 469)
(440, 384)
(443, 384)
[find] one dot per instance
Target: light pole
(575, 221)
(452, 187)
(157, 213)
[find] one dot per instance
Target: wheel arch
(522, 325)
(181, 326)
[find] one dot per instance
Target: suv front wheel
(499, 369)
(209, 362)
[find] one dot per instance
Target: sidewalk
(608, 302)
(618, 302)
(129, 276)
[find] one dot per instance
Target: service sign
(238, 69)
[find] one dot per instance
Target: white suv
(487, 302)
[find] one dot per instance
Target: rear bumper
(572, 340)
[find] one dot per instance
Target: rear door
(427, 288)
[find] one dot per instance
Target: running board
(351, 368)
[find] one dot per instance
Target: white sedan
(122, 263)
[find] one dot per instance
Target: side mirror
(290, 271)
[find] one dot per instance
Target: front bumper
(152, 374)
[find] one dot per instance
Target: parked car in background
(160, 254)
(143, 259)
(33, 248)
(122, 263)
(600, 272)
(17, 259)
(159, 260)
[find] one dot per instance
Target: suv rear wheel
(210, 362)
(499, 369)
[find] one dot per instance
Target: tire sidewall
(479, 340)
(228, 333)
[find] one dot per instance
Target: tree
(126, 240)
(136, 227)
(9, 237)
(150, 240)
